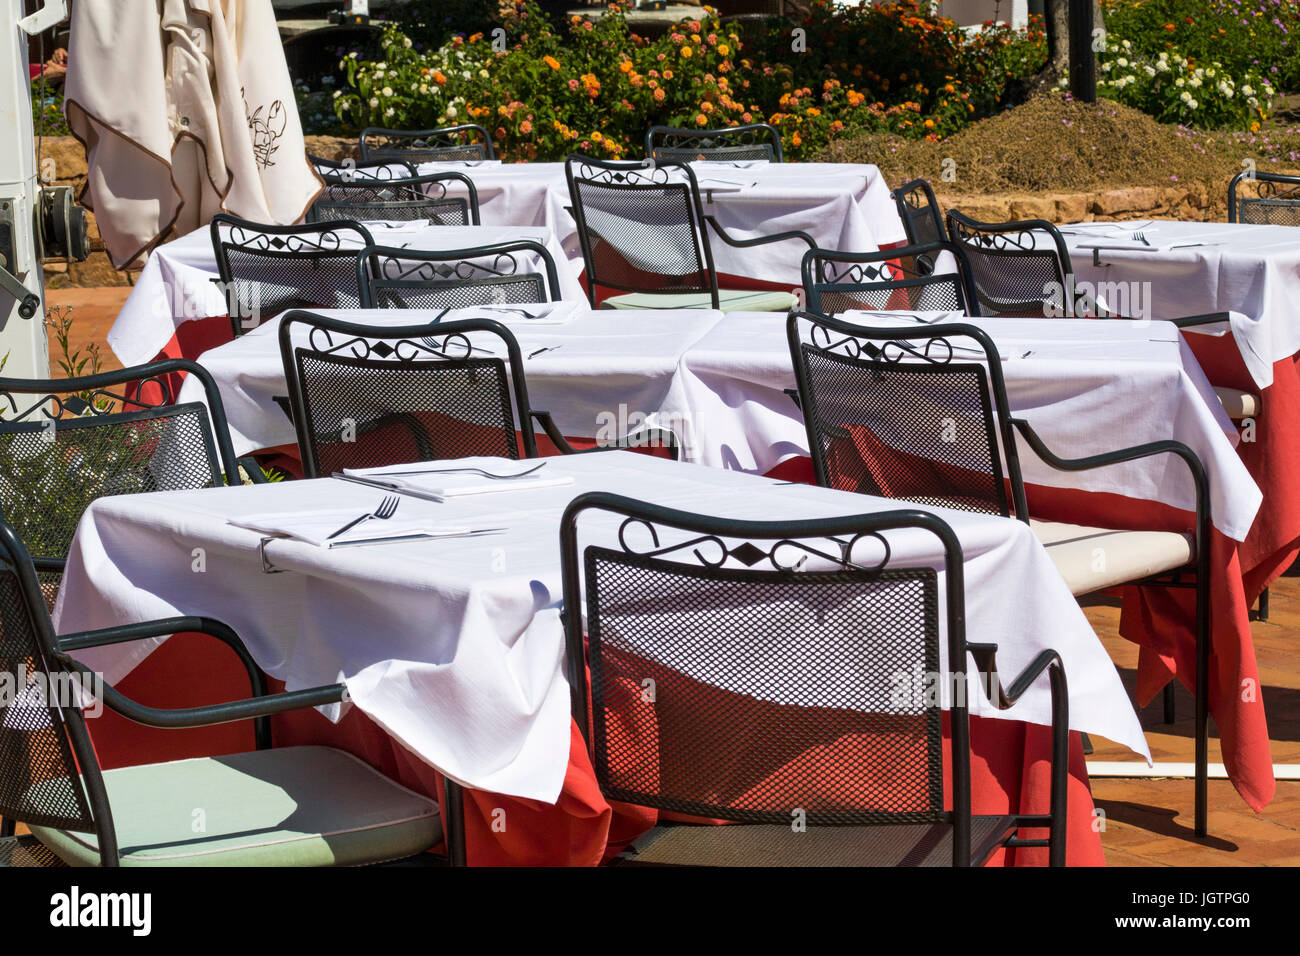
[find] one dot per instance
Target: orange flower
(552, 62)
(659, 96)
(701, 120)
(795, 140)
(625, 66)
(439, 78)
(929, 124)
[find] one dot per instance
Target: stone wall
(1192, 201)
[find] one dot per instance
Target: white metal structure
(22, 293)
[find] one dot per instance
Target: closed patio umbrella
(186, 109)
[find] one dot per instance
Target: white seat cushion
(1238, 404)
(1093, 559)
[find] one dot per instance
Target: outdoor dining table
(452, 648)
(1087, 386)
(840, 205)
(177, 309)
(720, 384)
(1253, 272)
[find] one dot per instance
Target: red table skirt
(1010, 768)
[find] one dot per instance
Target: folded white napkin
(715, 165)
(723, 185)
(925, 317)
(441, 480)
(316, 526)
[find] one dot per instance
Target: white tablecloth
(455, 647)
(177, 285)
(844, 206)
(610, 370)
(1198, 267)
(1087, 387)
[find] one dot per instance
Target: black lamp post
(1083, 64)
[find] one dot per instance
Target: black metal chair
(747, 671)
(919, 210)
(51, 780)
(349, 170)
(1016, 268)
(467, 142)
(899, 278)
(756, 141)
(66, 442)
(643, 232)
(922, 414)
(268, 269)
(358, 199)
(496, 274)
(365, 396)
(1269, 198)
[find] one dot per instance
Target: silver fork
(1141, 237)
(387, 508)
(452, 471)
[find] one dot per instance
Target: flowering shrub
(1243, 35)
(596, 87)
(1176, 89)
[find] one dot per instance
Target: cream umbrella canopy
(186, 109)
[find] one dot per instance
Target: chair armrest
(648, 436)
(1210, 318)
(253, 470)
(257, 709)
(761, 240)
(793, 395)
(67, 643)
(1003, 698)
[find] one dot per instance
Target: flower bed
(595, 87)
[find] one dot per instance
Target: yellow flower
(686, 53)
(724, 49)
(597, 136)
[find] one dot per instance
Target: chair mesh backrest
(39, 781)
(365, 201)
(379, 401)
(451, 144)
(736, 144)
(51, 469)
(769, 692)
(920, 213)
(841, 282)
(271, 272)
(885, 421)
(1014, 271)
(498, 276)
(1266, 199)
(641, 229)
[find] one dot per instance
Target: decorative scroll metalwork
(937, 349)
(310, 240)
(55, 407)
(757, 141)
(711, 551)
(644, 175)
(467, 142)
(847, 272)
(1002, 240)
(452, 346)
(398, 269)
(358, 173)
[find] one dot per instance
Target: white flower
(406, 42)
(337, 94)
(1248, 90)
(1164, 56)
(424, 87)
(1149, 70)
(483, 73)
(1194, 82)
(379, 74)
(1105, 67)
(1127, 45)
(1185, 96)
(1253, 103)
(1163, 66)
(1210, 73)
(390, 111)
(374, 103)
(1226, 90)
(1123, 61)
(1193, 104)
(1181, 82)
(451, 112)
(387, 91)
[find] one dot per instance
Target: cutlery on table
(1140, 237)
(452, 471)
(387, 508)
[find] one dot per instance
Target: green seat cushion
(298, 806)
(729, 300)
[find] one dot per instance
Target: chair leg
(1263, 605)
(6, 828)
(1202, 699)
(453, 818)
(1168, 698)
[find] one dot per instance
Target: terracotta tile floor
(1148, 821)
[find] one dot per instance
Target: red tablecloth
(1009, 770)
